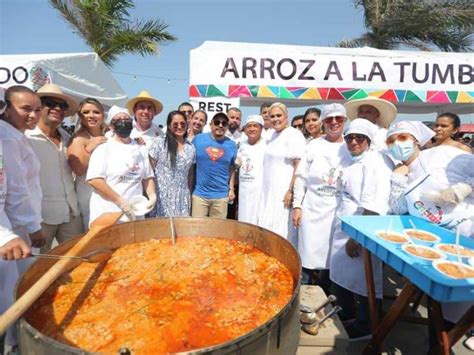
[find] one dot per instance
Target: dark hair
(312, 110)
(171, 143)
(236, 109)
(265, 105)
(454, 118)
(11, 91)
(220, 115)
(297, 117)
(201, 111)
(184, 104)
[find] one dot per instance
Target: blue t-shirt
(213, 161)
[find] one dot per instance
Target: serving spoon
(96, 256)
(309, 314)
(313, 328)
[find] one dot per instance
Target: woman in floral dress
(173, 157)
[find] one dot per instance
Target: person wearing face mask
(317, 194)
(365, 191)
(119, 169)
(435, 184)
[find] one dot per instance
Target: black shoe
(355, 334)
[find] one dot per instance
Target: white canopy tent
(80, 75)
(416, 82)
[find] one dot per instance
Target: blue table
(437, 287)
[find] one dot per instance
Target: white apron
(250, 179)
(324, 162)
(367, 186)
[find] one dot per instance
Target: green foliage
(106, 27)
(424, 24)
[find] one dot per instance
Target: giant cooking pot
(279, 335)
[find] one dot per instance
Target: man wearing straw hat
(59, 206)
(378, 111)
(144, 108)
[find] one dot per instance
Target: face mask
(402, 150)
(123, 128)
(356, 158)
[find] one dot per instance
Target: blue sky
(32, 26)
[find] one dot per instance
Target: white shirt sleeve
(18, 205)
(296, 144)
(98, 163)
(6, 235)
(148, 170)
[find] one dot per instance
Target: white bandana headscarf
(416, 128)
(114, 110)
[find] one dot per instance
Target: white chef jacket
(57, 185)
(250, 161)
(23, 202)
(317, 192)
(366, 187)
(147, 135)
(123, 167)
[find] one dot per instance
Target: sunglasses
(186, 112)
(298, 126)
(222, 123)
(50, 103)
(402, 137)
(359, 138)
(338, 119)
(178, 124)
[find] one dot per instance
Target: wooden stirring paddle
(36, 290)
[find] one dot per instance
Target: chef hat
(416, 128)
(113, 111)
(362, 126)
(254, 118)
(333, 110)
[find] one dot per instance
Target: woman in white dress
(89, 136)
(317, 194)
(366, 190)
(119, 169)
(282, 156)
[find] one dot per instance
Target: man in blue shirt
(215, 156)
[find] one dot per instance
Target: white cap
(416, 128)
(113, 111)
(254, 118)
(333, 110)
(362, 126)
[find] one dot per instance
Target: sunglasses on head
(223, 123)
(359, 138)
(402, 137)
(51, 103)
(338, 119)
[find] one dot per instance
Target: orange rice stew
(456, 271)
(423, 252)
(153, 297)
(392, 237)
(453, 249)
(421, 235)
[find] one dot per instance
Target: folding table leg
(369, 279)
(461, 327)
(396, 310)
(435, 316)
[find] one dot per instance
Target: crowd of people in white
(350, 159)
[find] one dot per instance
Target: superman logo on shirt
(214, 153)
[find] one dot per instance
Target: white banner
(223, 63)
(213, 105)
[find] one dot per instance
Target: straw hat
(53, 90)
(144, 96)
(388, 111)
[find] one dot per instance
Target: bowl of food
(392, 237)
(422, 237)
(423, 254)
(454, 269)
(451, 250)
